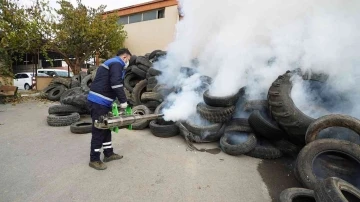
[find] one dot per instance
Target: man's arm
(116, 81)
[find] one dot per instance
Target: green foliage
(77, 32)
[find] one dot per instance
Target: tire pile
(327, 166)
(73, 102)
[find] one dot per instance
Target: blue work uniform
(106, 87)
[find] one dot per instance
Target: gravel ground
(42, 163)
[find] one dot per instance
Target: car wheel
(27, 86)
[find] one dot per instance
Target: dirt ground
(43, 163)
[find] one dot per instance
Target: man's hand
(123, 105)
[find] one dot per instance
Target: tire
(331, 120)
(225, 101)
(215, 114)
(287, 115)
(337, 166)
(154, 72)
(129, 80)
(139, 72)
(63, 81)
(163, 90)
(335, 189)
(152, 82)
(58, 120)
(143, 67)
(297, 194)
(286, 147)
(82, 75)
(264, 150)
(86, 83)
(64, 109)
(81, 127)
(71, 92)
(153, 54)
(238, 147)
(132, 60)
(187, 71)
(91, 69)
(76, 78)
(263, 124)
(239, 124)
(142, 110)
(27, 86)
(306, 159)
(203, 134)
(144, 61)
(75, 84)
(138, 90)
(252, 105)
(151, 96)
(169, 129)
(49, 88)
(79, 100)
(55, 93)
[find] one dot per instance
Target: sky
(110, 4)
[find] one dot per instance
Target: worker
(106, 87)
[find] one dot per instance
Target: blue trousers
(100, 138)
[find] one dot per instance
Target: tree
(79, 32)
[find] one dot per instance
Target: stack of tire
(73, 103)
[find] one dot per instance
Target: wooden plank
(8, 90)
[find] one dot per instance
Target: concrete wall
(146, 36)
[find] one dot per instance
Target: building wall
(146, 36)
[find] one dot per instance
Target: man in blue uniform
(106, 87)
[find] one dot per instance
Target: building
(149, 25)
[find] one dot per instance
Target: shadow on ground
(278, 175)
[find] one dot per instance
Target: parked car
(55, 72)
(23, 80)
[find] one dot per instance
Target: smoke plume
(251, 42)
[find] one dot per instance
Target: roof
(151, 5)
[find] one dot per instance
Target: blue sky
(110, 4)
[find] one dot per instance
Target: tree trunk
(76, 69)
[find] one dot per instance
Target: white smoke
(251, 42)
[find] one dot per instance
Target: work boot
(113, 157)
(98, 165)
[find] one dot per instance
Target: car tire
(139, 72)
(307, 156)
(71, 92)
(239, 124)
(263, 124)
(138, 90)
(58, 120)
(55, 93)
(86, 83)
(81, 127)
(237, 148)
(141, 110)
(144, 61)
(204, 134)
(63, 81)
(64, 109)
(264, 150)
(224, 101)
(297, 194)
(164, 130)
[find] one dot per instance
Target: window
(145, 16)
(17, 76)
(124, 20)
(24, 76)
(161, 13)
(135, 18)
(150, 15)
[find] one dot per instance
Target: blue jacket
(108, 83)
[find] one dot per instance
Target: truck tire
(215, 114)
(86, 83)
(154, 72)
(151, 96)
(63, 81)
(287, 115)
(239, 124)
(264, 150)
(139, 72)
(144, 61)
(71, 92)
(207, 133)
(58, 120)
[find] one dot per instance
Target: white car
(55, 72)
(23, 80)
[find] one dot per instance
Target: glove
(123, 105)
